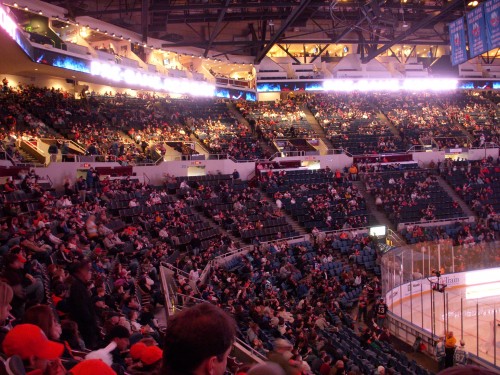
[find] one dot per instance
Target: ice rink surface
(470, 319)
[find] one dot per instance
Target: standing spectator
(81, 186)
(80, 304)
(381, 310)
(65, 151)
(236, 175)
(449, 347)
(353, 172)
(53, 151)
(362, 307)
(441, 353)
(461, 356)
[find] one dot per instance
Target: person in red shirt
(325, 367)
(9, 186)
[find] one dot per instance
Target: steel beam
(288, 53)
(145, 20)
(433, 18)
(296, 12)
(321, 50)
(215, 32)
(202, 43)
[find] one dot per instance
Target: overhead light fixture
(405, 25)
(473, 4)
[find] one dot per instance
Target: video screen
(235, 94)
(61, 61)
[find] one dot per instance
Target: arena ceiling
(253, 27)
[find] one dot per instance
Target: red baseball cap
(151, 354)
(136, 350)
(92, 366)
(27, 340)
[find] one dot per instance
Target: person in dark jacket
(80, 304)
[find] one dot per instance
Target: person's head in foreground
(198, 341)
(30, 343)
(92, 366)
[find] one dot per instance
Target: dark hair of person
(194, 335)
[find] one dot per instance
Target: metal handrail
(350, 230)
(486, 145)
(94, 157)
(334, 151)
(395, 238)
(35, 148)
(436, 221)
(145, 176)
(77, 146)
(175, 269)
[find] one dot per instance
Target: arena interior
(325, 171)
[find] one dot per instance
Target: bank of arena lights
(410, 84)
(149, 81)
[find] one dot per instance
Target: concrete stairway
(451, 192)
(384, 120)
(268, 150)
(316, 126)
(234, 111)
(290, 220)
(380, 217)
(26, 158)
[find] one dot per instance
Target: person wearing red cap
(151, 359)
(92, 366)
(39, 354)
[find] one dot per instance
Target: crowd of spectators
(350, 122)
(419, 118)
(96, 272)
(477, 183)
(128, 130)
(478, 115)
(320, 199)
(460, 233)
(280, 119)
(411, 196)
(82, 263)
(292, 303)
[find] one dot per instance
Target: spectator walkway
(372, 209)
(384, 120)
(237, 114)
(451, 192)
(295, 226)
(316, 126)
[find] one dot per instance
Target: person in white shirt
(461, 356)
(279, 203)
